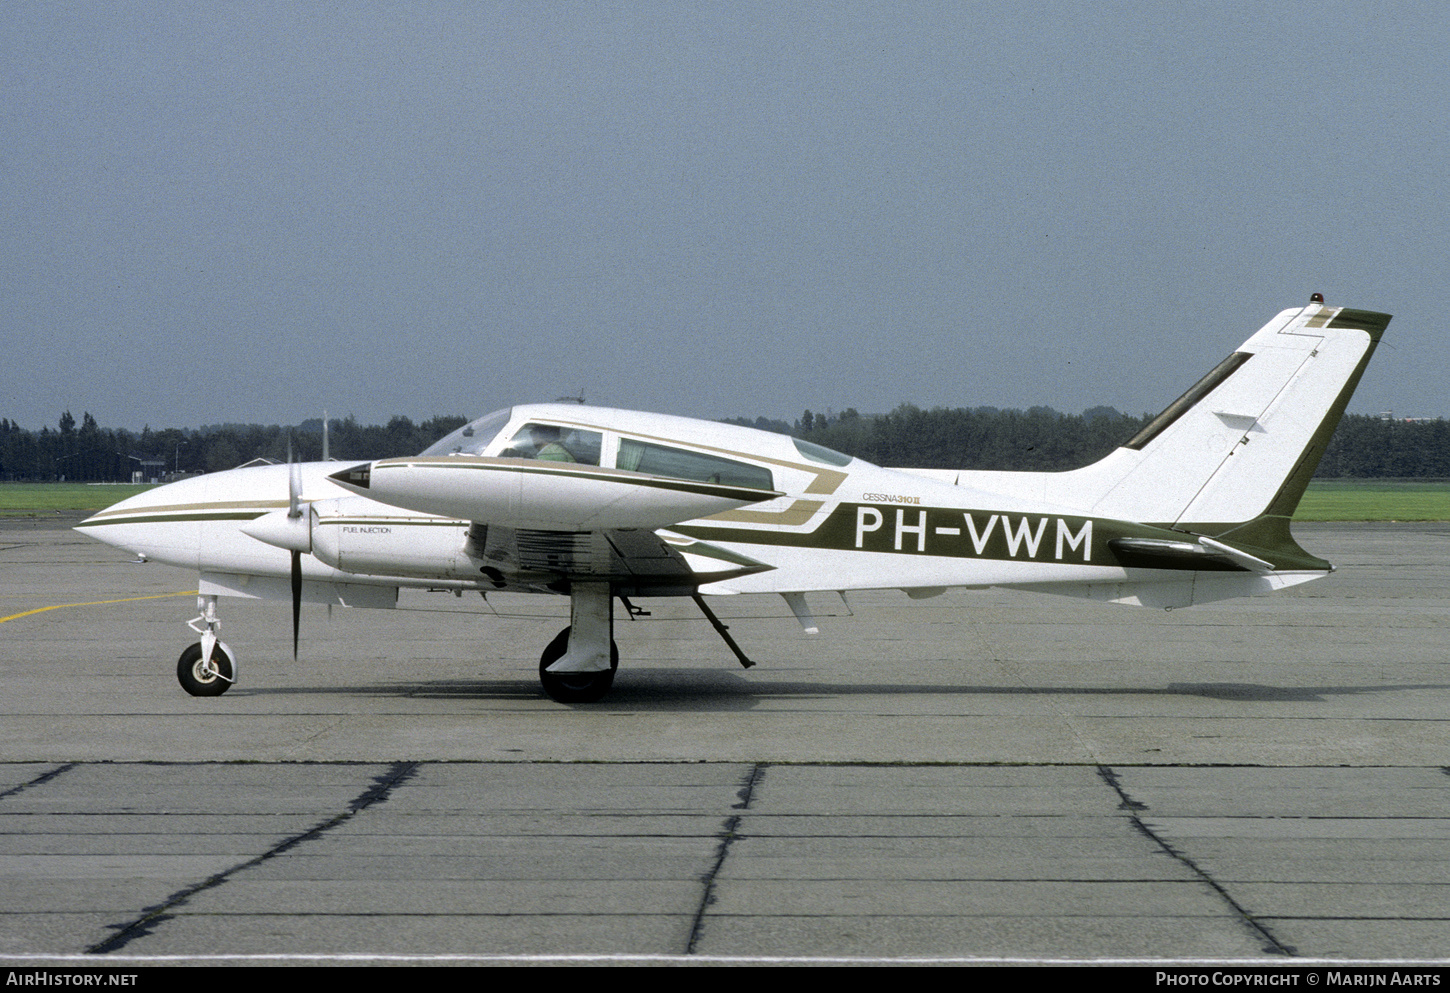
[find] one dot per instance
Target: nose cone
(280, 529)
(161, 524)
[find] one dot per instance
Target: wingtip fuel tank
(528, 493)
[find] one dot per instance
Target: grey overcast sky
(253, 211)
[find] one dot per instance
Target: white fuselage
(827, 523)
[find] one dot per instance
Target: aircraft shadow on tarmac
(690, 689)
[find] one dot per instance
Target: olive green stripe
(1188, 400)
(1266, 537)
(211, 506)
(447, 522)
(1364, 320)
(170, 518)
(838, 533)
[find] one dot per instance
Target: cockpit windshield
(473, 437)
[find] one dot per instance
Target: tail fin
(1232, 456)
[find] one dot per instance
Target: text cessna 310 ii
(598, 504)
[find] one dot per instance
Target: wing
(635, 562)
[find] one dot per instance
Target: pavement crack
(323, 732)
(1272, 946)
(38, 780)
(727, 838)
(154, 916)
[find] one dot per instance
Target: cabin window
(659, 460)
(553, 443)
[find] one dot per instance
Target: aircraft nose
(359, 477)
(160, 524)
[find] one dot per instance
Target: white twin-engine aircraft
(599, 504)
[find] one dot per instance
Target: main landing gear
(579, 664)
(207, 668)
(577, 667)
(575, 687)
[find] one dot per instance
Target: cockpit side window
(659, 460)
(553, 443)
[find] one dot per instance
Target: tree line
(91, 453)
(1045, 440)
(1039, 439)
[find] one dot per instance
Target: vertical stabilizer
(1242, 443)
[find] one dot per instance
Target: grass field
(45, 499)
(1327, 499)
(1374, 500)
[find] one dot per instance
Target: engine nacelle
(423, 548)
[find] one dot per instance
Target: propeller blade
(296, 600)
(294, 510)
(294, 484)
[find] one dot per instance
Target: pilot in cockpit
(547, 445)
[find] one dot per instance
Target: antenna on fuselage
(578, 399)
(325, 456)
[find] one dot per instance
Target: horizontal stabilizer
(1206, 553)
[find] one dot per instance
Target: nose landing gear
(211, 678)
(207, 668)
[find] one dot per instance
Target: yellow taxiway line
(95, 603)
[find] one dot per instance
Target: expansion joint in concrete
(727, 838)
(1272, 945)
(154, 916)
(38, 780)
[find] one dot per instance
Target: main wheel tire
(199, 679)
(575, 687)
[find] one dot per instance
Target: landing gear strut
(207, 668)
(579, 664)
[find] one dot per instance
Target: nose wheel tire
(201, 679)
(573, 687)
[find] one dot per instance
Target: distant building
(151, 471)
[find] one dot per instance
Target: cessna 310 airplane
(597, 504)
